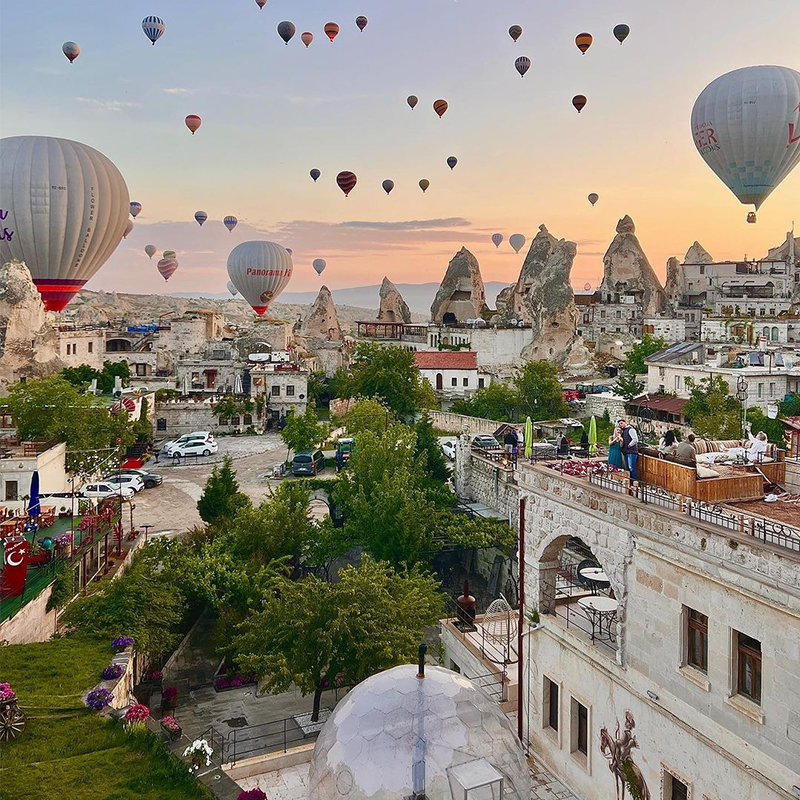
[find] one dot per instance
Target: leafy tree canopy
(495, 401)
(540, 392)
(634, 363)
(713, 412)
(367, 414)
(628, 386)
(221, 498)
(303, 431)
(81, 376)
(759, 421)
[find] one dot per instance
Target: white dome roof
(370, 743)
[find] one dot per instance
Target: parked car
(134, 481)
(194, 447)
(449, 449)
(205, 436)
(149, 479)
(485, 441)
(103, 489)
(308, 463)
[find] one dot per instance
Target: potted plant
(252, 794)
(171, 728)
(112, 672)
(169, 698)
(136, 718)
(199, 754)
(98, 699)
(121, 643)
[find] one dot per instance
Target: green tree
(318, 388)
(427, 444)
(112, 370)
(628, 386)
(540, 392)
(367, 414)
(713, 413)
(759, 421)
(221, 498)
(496, 401)
(634, 363)
(303, 431)
(313, 634)
(143, 428)
(80, 376)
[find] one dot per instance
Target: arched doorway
(439, 382)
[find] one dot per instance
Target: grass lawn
(70, 751)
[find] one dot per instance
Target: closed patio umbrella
(34, 506)
(592, 436)
(528, 437)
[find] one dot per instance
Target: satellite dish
(587, 287)
(513, 322)
(480, 323)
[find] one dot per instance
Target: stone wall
(32, 623)
(184, 417)
(458, 423)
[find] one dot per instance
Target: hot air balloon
(232, 289)
(200, 217)
(424, 184)
(593, 197)
(167, 267)
(579, 101)
(587, 287)
(193, 122)
(746, 126)
(65, 209)
(517, 241)
(169, 254)
(412, 101)
(306, 37)
(361, 22)
(522, 64)
(315, 173)
(346, 181)
(621, 33)
(289, 250)
(260, 271)
(452, 161)
(319, 265)
(584, 42)
(153, 28)
(515, 31)
(261, 3)
(388, 186)
(128, 228)
(150, 249)
(230, 222)
(331, 30)
(136, 209)
(440, 107)
(71, 50)
(497, 239)
(286, 30)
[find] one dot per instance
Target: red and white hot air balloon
(346, 181)
(260, 271)
(193, 123)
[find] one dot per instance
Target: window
(290, 390)
(772, 390)
(465, 381)
(760, 390)
(551, 704)
(619, 314)
(12, 488)
(579, 729)
(697, 639)
(674, 787)
(141, 369)
(275, 391)
(602, 315)
(662, 371)
(748, 667)
(91, 346)
(454, 381)
(247, 419)
(677, 383)
(586, 319)
(223, 421)
(234, 420)
(480, 383)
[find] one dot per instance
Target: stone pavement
(545, 786)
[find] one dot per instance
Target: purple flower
(237, 681)
(6, 692)
(111, 672)
(222, 683)
(170, 723)
(121, 642)
(98, 699)
(252, 794)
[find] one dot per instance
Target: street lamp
(741, 396)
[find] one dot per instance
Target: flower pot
(172, 734)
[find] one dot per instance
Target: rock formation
(393, 308)
(675, 286)
(697, 254)
(788, 251)
(461, 295)
(322, 321)
(626, 271)
(28, 344)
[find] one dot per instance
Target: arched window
(774, 333)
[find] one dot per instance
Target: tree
(774, 428)
(628, 386)
(714, 414)
(221, 498)
(496, 401)
(314, 635)
(634, 363)
(112, 370)
(318, 390)
(367, 414)
(303, 431)
(80, 376)
(143, 428)
(427, 444)
(540, 392)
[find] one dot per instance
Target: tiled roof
(447, 359)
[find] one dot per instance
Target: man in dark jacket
(630, 447)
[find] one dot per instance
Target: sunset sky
(272, 112)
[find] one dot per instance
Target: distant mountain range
(419, 296)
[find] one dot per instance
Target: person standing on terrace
(630, 447)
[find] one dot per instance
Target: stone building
(453, 375)
(284, 385)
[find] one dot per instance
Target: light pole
(741, 395)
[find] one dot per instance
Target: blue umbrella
(34, 507)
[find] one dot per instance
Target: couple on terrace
(623, 447)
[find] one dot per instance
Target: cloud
(106, 105)
(409, 225)
(178, 90)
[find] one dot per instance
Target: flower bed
(98, 699)
(112, 672)
(228, 677)
(136, 717)
(582, 469)
(171, 728)
(121, 642)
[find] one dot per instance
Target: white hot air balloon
(232, 289)
(65, 207)
(260, 271)
(319, 265)
(517, 241)
(746, 126)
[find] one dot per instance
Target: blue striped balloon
(153, 28)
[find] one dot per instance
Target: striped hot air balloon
(522, 65)
(331, 30)
(584, 41)
(168, 254)
(579, 101)
(153, 28)
(306, 37)
(167, 267)
(361, 22)
(346, 181)
(71, 50)
(515, 31)
(497, 239)
(193, 123)
(128, 228)
(230, 222)
(150, 249)
(232, 289)
(200, 217)
(261, 3)
(388, 185)
(286, 30)
(440, 107)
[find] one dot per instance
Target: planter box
(172, 735)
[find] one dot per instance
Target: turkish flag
(15, 566)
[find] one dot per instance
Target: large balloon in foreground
(621, 33)
(497, 239)
(150, 249)
(746, 126)
(452, 161)
(260, 271)
(193, 123)
(593, 197)
(522, 65)
(230, 222)
(579, 101)
(128, 228)
(232, 289)
(167, 267)
(517, 241)
(424, 184)
(315, 173)
(346, 181)
(388, 186)
(331, 30)
(306, 37)
(440, 107)
(412, 101)
(136, 209)
(153, 28)
(583, 42)
(361, 22)
(515, 31)
(71, 50)
(286, 30)
(319, 265)
(200, 217)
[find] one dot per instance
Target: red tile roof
(672, 405)
(447, 359)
